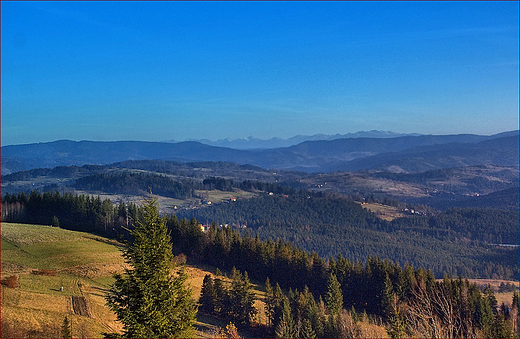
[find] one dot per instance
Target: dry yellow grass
(78, 258)
(95, 270)
(504, 297)
(384, 212)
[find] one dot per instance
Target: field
(384, 212)
(83, 264)
(216, 196)
(352, 182)
(503, 297)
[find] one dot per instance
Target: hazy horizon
(252, 138)
(159, 71)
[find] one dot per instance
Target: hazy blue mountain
(407, 153)
(499, 151)
(256, 143)
(66, 153)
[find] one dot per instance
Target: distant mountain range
(414, 153)
(256, 143)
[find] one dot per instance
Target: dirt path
(80, 307)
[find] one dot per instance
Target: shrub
(11, 282)
(180, 259)
(229, 332)
(44, 272)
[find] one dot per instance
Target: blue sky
(178, 70)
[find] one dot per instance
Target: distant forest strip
(136, 184)
(189, 169)
(458, 242)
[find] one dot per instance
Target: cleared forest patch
(384, 212)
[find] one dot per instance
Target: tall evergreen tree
(334, 297)
(392, 310)
(207, 296)
(485, 317)
(269, 301)
(148, 299)
(286, 326)
(221, 298)
(242, 298)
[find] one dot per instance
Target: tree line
(456, 242)
(421, 307)
(234, 303)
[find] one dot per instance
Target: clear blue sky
(177, 70)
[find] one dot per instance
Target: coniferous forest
(463, 242)
(309, 295)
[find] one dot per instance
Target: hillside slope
(79, 262)
(82, 264)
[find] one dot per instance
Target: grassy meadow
(83, 264)
(384, 212)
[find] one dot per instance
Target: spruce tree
(55, 221)
(334, 297)
(148, 299)
(221, 298)
(207, 296)
(242, 299)
(392, 310)
(269, 301)
(307, 331)
(485, 317)
(286, 326)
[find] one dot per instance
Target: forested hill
(457, 241)
(135, 183)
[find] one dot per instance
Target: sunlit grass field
(84, 265)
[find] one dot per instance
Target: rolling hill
(79, 262)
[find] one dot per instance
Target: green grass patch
(50, 284)
(45, 247)
(25, 234)
(7, 245)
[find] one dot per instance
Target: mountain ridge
(251, 142)
(308, 156)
